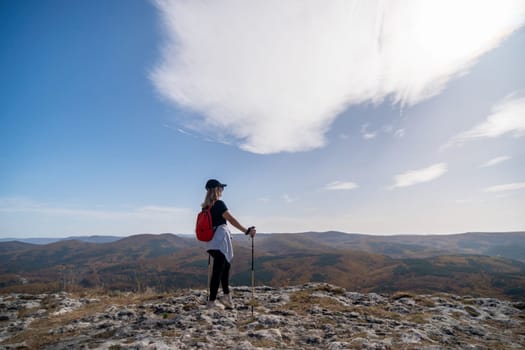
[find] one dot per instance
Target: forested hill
(480, 264)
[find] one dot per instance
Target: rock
(314, 337)
(337, 345)
(125, 314)
(244, 345)
(271, 320)
(411, 337)
(273, 335)
(333, 319)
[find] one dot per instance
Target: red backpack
(204, 226)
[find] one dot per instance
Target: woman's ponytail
(212, 195)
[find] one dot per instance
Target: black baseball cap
(212, 183)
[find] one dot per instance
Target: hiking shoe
(227, 301)
(214, 305)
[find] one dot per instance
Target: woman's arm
(236, 223)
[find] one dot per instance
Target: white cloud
(495, 161)
(506, 187)
(507, 116)
(413, 177)
(340, 185)
(273, 75)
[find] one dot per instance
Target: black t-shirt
(216, 213)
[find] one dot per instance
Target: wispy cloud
(506, 187)
(20, 205)
(182, 131)
(385, 129)
(400, 133)
(507, 117)
(273, 75)
(367, 135)
(288, 199)
(464, 201)
(414, 177)
(341, 185)
(22, 216)
(495, 161)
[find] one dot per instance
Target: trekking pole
(208, 297)
(253, 278)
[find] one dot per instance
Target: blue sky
(317, 115)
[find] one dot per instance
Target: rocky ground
(313, 316)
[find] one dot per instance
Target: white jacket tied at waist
(222, 240)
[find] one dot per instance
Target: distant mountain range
(479, 264)
(48, 240)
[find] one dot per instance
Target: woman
(220, 247)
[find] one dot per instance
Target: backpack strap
(211, 216)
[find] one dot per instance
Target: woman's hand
(251, 231)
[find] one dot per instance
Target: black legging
(220, 274)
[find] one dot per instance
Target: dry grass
(419, 299)
(330, 289)
(301, 301)
(359, 335)
(22, 313)
(401, 295)
(243, 322)
(327, 320)
(472, 312)
(50, 303)
(424, 301)
(378, 312)
(419, 318)
(266, 343)
(493, 345)
(172, 333)
(457, 315)
(469, 301)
